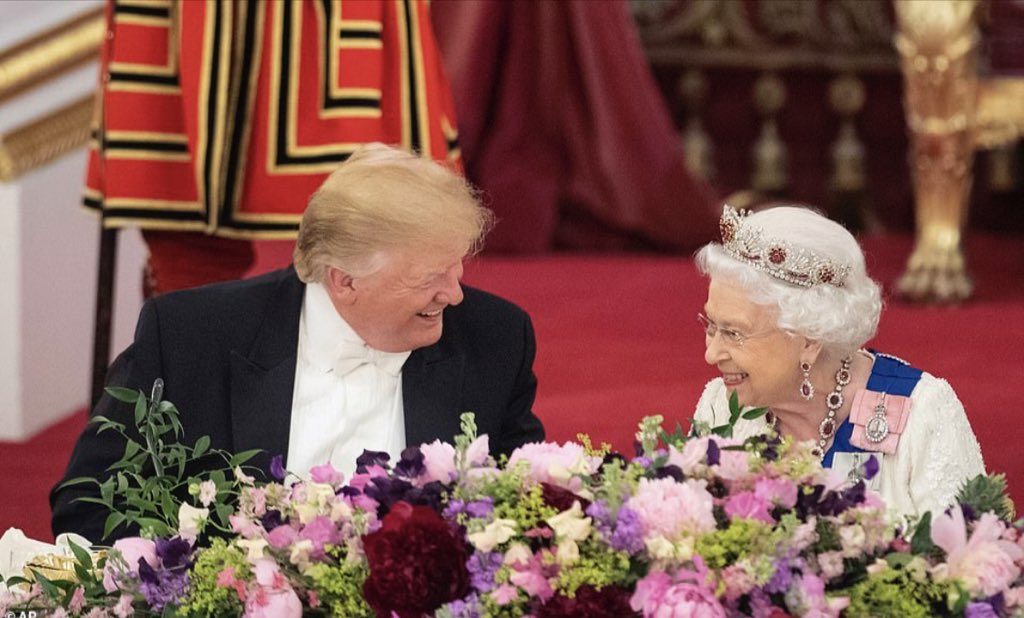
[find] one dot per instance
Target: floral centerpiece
(695, 525)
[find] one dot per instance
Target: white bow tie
(352, 355)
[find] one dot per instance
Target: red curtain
(562, 126)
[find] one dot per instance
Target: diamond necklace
(833, 401)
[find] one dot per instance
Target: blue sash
(888, 375)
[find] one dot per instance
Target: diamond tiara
(774, 256)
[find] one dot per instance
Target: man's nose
(451, 293)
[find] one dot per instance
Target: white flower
(496, 533)
(207, 492)
(571, 524)
(191, 521)
(852, 538)
(255, 548)
(517, 553)
(568, 553)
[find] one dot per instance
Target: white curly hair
(842, 318)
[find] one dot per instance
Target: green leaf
(755, 413)
(51, 588)
(126, 395)
(921, 542)
(78, 480)
(140, 411)
(240, 458)
(82, 555)
(113, 521)
(202, 444)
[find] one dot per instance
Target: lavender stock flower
(277, 467)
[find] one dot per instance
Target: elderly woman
(789, 308)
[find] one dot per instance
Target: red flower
(417, 563)
(608, 602)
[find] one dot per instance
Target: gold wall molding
(51, 53)
(46, 139)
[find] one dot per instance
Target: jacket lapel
(431, 394)
(263, 377)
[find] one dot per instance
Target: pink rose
(132, 549)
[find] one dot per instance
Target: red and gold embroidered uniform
(223, 117)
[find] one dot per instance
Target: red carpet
(618, 339)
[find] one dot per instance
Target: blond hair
(382, 199)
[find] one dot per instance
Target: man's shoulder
(478, 304)
(228, 293)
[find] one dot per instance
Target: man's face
(399, 307)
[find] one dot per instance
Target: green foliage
(598, 567)
(736, 412)
(987, 493)
(205, 597)
(145, 484)
(901, 592)
(340, 586)
(724, 547)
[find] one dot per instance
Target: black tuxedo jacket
(227, 355)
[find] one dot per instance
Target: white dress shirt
(336, 415)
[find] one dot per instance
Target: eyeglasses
(730, 337)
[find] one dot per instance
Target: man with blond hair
(369, 342)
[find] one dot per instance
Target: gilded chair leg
(938, 44)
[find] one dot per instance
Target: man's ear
(339, 285)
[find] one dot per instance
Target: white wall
(50, 250)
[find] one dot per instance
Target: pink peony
(693, 455)
(780, 492)
(985, 563)
(327, 474)
(266, 603)
(439, 461)
(657, 597)
(558, 465)
(748, 505)
(132, 549)
(673, 509)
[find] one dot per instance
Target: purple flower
(371, 458)
(174, 552)
(714, 453)
(670, 471)
(271, 519)
(628, 535)
(165, 586)
(277, 467)
(980, 610)
(781, 579)
(410, 465)
(643, 461)
(482, 569)
(480, 508)
(870, 467)
(468, 607)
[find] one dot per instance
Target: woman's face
(764, 368)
